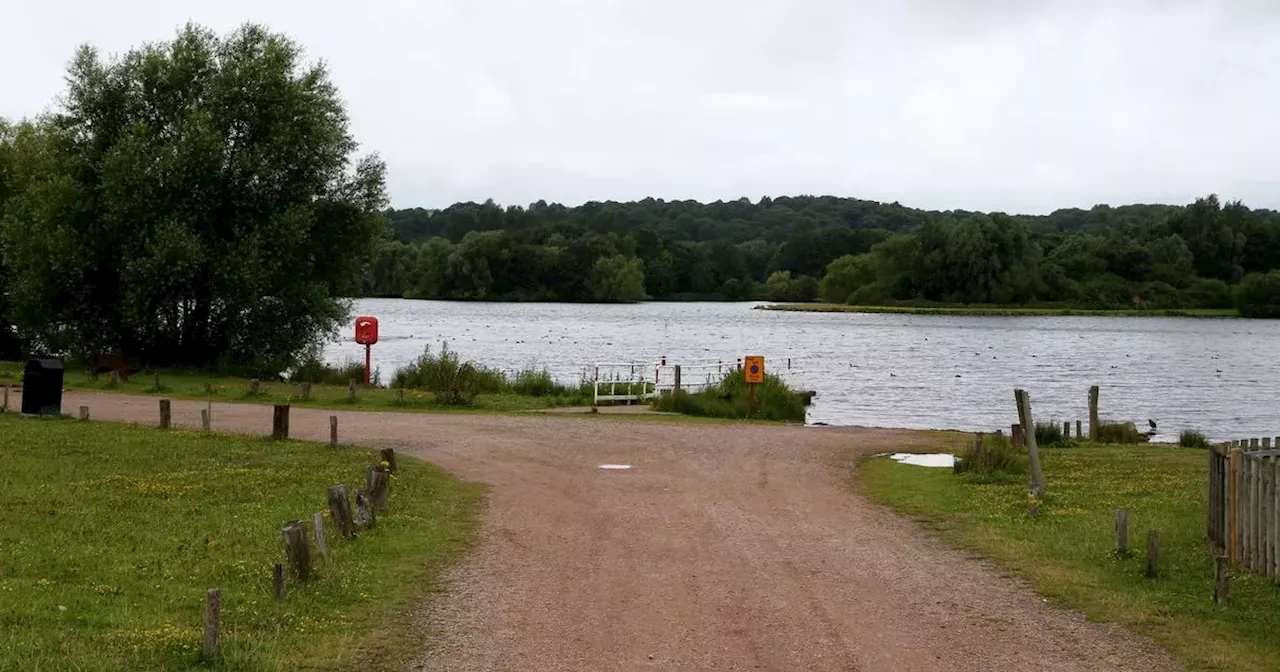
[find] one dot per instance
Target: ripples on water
(915, 371)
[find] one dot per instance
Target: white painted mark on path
(615, 466)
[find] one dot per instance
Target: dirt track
(725, 548)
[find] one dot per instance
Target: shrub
(1119, 432)
(445, 375)
(1191, 438)
(535, 383)
(1258, 295)
(1207, 293)
(310, 369)
(994, 458)
(1050, 434)
(728, 399)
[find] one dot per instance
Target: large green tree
(196, 201)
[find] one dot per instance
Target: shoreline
(1003, 311)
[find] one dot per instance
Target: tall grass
(1049, 434)
(728, 399)
(455, 382)
(995, 459)
(1120, 433)
(1191, 438)
(312, 370)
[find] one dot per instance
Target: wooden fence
(1244, 504)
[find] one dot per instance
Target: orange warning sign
(753, 367)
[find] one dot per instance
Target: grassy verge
(201, 385)
(1066, 552)
(111, 534)
(1004, 311)
(729, 399)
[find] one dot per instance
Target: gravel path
(726, 547)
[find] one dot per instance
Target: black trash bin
(42, 387)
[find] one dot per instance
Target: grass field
(999, 311)
(111, 534)
(192, 385)
(1066, 551)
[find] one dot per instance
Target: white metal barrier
(637, 383)
(623, 382)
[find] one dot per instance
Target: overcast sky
(1012, 105)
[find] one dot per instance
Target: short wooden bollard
(1122, 532)
(166, 417)
(212, 622)
(1153, 553)
(254, 385)
(1079, 431)
(205, 422)
(333, 431)
(388, 455)
(280, 421)
(296, 549)
(1066, 430)
(322, 542)
(379, 484)
(115, 379)
(277, 579)
(676, 387)
(304, 390)
(351, 389)
(1093, 414)
(340, 510)
(84, 412)
(365, 518)
(1015, 433)
(1221, 587)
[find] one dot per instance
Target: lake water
(915, 371)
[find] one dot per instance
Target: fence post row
(1244, 504)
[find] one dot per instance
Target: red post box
(367, 335)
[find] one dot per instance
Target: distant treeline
(835, 249)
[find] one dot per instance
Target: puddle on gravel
(923, 460)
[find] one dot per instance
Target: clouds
(991, 104)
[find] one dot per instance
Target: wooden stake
(84, 412)
(212, 623)
(277, 576)
(1029, 435)
(1015, 431)
(280, 422)
(1094, 423)
(322, 542)
(1153, 553)
(1066, 430)
(1079, 430)
(379, 484)
(365, 518)
(254, 384)
(351, 389)
(1122, 532)
(388, 455)
(340, 510)
(304, 390)
(165, 413)
(676, 387)
(204, 419)
(296, 549)
(333, 431)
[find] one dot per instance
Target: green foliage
(192, 202)
(451, 380)
(728, 399)
(1050, 434)
(617, 279)
(1190, 438)
(996, 460)
(310, 369)
(1120, 433)
(176, 513)
(1258, 295)
(782, 287)
(539, 383)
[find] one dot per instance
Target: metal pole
(368, 355)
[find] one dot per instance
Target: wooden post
(388, 455)
(1266, 443)
(322, 542)
(115, 379)
(1233, 505)
(351, 389)
(1122, 532)
(1253, 444)
(333, 431)
(304, 390)
(1153, 553)
(84, 412)
(4, 406)
(254, 385)
(364, 518)
(676, 387)
(379, 484)
(1093, 413)
(1221, 589)
(1275, 518)
(280, 422)
(1029, 435)
(296, 549)
(205, 422)
(1079, 430)
(340, 510)
(212, 623)
(1254, 500)
(1015, 432)
(277, 577)
(1066, 430)
(165, 413)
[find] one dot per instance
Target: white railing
(637, 383)
(628, 382)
